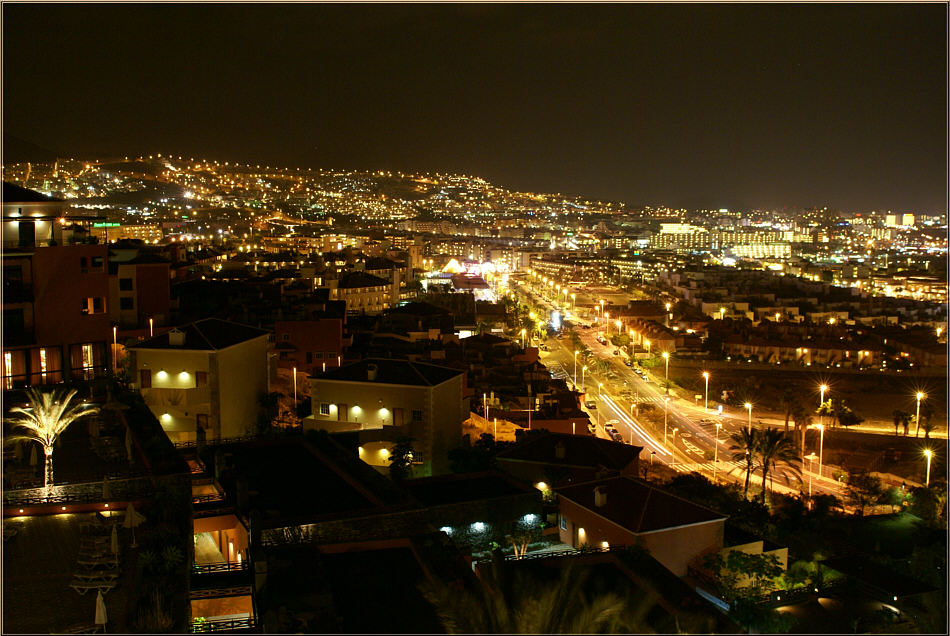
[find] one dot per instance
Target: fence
(231, 624)
(221, 566)
(216, 442)
(84, 492)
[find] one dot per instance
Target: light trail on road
(623, 417)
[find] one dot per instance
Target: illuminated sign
(106, 224)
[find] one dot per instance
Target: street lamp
(573, 301)
(583, 376)
(706, 402)
(599, 387)
(928, 454)
(647, 345)
(575, 367)
(811, 459)
(666, 357)
(667, 314)
(607, 324)
(821, 445)
(666, 410)
(748, 407)
(821, 416)
(920, 396)
(722, 313)
(522, 338)
(295, 390)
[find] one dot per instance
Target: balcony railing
(216, 442)
(231, 624)
(221, 566)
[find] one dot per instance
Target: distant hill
(17, 150)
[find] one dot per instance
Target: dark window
(309, 357)
(27, 233)
(125, 284)
(318, 355)
(202, 419)
(285, 337)
(201, 378)
(145, 379)
(563, 523)
(127, 303)
(417, 416)
(96, 263)
(83, 264)
(98, 305)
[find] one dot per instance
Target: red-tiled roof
(637, 506)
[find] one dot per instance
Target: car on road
(590, 404)
(591, 429)
(616, 352)
(628, 363)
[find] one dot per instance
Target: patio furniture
(109, 562)
(82, 588)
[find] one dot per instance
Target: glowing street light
(722, 313)
(706, 402)
(600, 385)
(928, 454)
(522, 338)
(575, 367)
(295, 390)
(748, 407)
(920, 396)
(666, 358)
(583, 377)
(573, 301)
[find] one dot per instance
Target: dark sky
(730, 105)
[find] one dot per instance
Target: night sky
(692, 105)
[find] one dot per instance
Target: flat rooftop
(448, 489)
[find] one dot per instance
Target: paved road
(617, 394)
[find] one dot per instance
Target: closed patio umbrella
(101, 616)
(132, 520)
(114, 541)
(128, 444)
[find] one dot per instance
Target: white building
(204, 379)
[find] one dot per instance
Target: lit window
(324, 408)
(43, 365)
(8, 370)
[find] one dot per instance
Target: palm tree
(926, 417)
(745, 449)
(900, 417)
(775, 447)
(789, 403)
(48, 415)
(802, 419)
(526, 606)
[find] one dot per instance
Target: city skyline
(736, 106)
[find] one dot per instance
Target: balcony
(173, 397)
